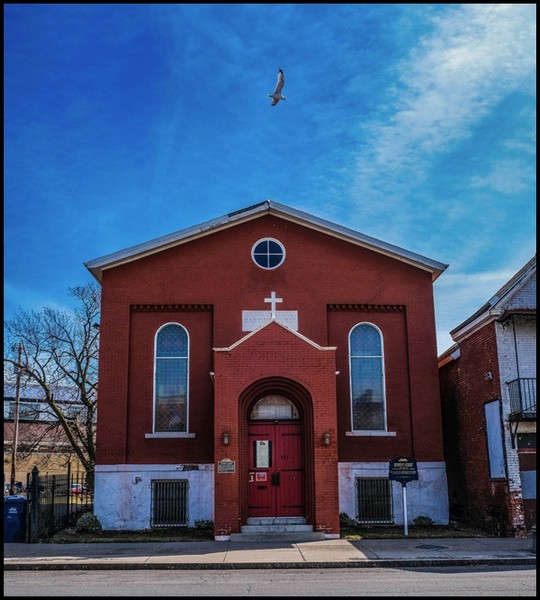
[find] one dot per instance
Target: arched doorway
(275, 458)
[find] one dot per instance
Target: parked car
(76, 488)
(19, 488)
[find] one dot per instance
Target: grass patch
(196, 534)
(350, 530)
(360, 532)
(173, 534)
(421, 527)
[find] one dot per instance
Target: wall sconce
(225, 438)
(326, 438)
(488, 376)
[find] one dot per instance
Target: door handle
(275, 479)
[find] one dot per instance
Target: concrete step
(276, 521)
(301, 536)
(276, 529)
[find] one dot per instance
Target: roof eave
(97, 266)
(494, 307)
(359, 239)
(133, 253)
(465, 330)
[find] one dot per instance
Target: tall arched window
(368, 402)
(171, 379)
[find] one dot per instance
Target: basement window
(169, 503)
(374, 500)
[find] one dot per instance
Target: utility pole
(16, 422)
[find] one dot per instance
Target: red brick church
(266, 366)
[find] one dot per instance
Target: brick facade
(204, 283)
(478, 370)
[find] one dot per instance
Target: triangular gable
(264, 326)
(523, 297)
(501, 302)
(268, 207)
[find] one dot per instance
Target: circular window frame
(268, 239)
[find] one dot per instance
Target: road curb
(353, 564)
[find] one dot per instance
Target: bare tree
(59, 349)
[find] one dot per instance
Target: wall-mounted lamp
(488, 376)
(225, 438)
(326, 438)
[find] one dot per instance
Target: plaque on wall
(226, 466)
(253, 319)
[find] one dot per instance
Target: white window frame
(170, 434)
(384, 430)
(268, 239)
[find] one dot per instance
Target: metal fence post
(33, 509)
(68, 493)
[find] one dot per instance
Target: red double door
(276, 470)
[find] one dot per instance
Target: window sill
(168, 435)
(369, 432)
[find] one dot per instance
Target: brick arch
(301, 398)
(293, 390)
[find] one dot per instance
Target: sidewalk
(271, 555)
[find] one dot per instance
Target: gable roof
(268, 207)
(283, 326)
(497, 307)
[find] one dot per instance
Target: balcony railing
(522, 393)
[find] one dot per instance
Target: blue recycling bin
(14, 519)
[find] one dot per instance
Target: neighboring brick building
(488, 392)
(226, 388)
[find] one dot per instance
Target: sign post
(403, 469)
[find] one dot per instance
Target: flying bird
(277, 96)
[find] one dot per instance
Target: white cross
(273, 301)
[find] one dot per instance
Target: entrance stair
(276, 529)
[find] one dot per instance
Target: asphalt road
(443, 581)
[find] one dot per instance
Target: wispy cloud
(475, 56)
(506, 177)
(412, 123)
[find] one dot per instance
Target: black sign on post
(403, 469)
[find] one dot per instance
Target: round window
(268, 253)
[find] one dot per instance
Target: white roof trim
(255, 331)
(98, 265)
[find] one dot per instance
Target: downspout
(516, 352)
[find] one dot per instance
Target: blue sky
(411, 123)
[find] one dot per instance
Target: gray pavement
(338, 553)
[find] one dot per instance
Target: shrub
(204, 524)
(347, 521)
(88, 523)
(423, 521)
